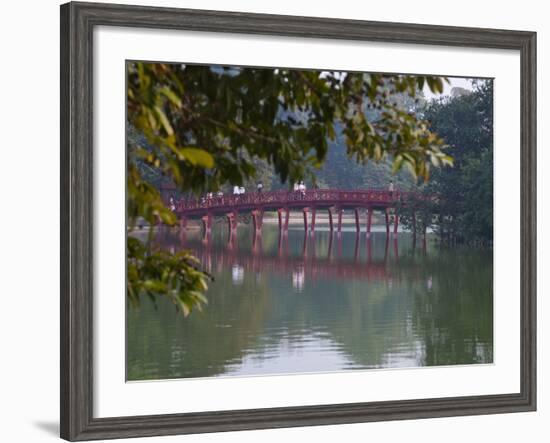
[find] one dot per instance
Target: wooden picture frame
(77, 23)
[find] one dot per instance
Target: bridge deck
(316, 198)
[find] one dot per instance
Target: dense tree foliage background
(464, 204)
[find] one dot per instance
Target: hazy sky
(461, 82)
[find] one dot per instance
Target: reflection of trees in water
(164, 344)
(444, 317)
(405, 305)
(454, 318)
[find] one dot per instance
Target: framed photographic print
(272, 221)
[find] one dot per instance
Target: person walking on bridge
(302, 189)
(391, 188)
(236, 192)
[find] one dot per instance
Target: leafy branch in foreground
(207, 127)
(176, 275)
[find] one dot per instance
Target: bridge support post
(257, 242)
(287, 218)
(357, 225)
(231, 241)
(257, 217)
(356, 249)
(414, 224)
(183, 222)
(305, 211)
(183, 230)
(313, 211)
(387, 222)
(330, 220)
(369, 220)
(339, 220)
(280, 218)
(369, 251)
(232, 222)
(396, 223)
(207, 224)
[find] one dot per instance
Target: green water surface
(311, 303)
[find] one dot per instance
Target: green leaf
(439, 85)
(164, 121)
(398, 161)
(198, 157)
(435, 161)
(447, 160)
(171, 95)
(377, 152)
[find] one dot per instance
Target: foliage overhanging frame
(77, 23)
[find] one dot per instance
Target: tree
(465, 192)
(207, 127)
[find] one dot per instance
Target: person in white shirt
(302, 188)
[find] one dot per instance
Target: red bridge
(334, 201)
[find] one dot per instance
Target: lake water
(312, 303)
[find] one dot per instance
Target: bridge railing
(283, 198)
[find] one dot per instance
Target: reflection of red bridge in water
(334, 201)
(308, 263)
